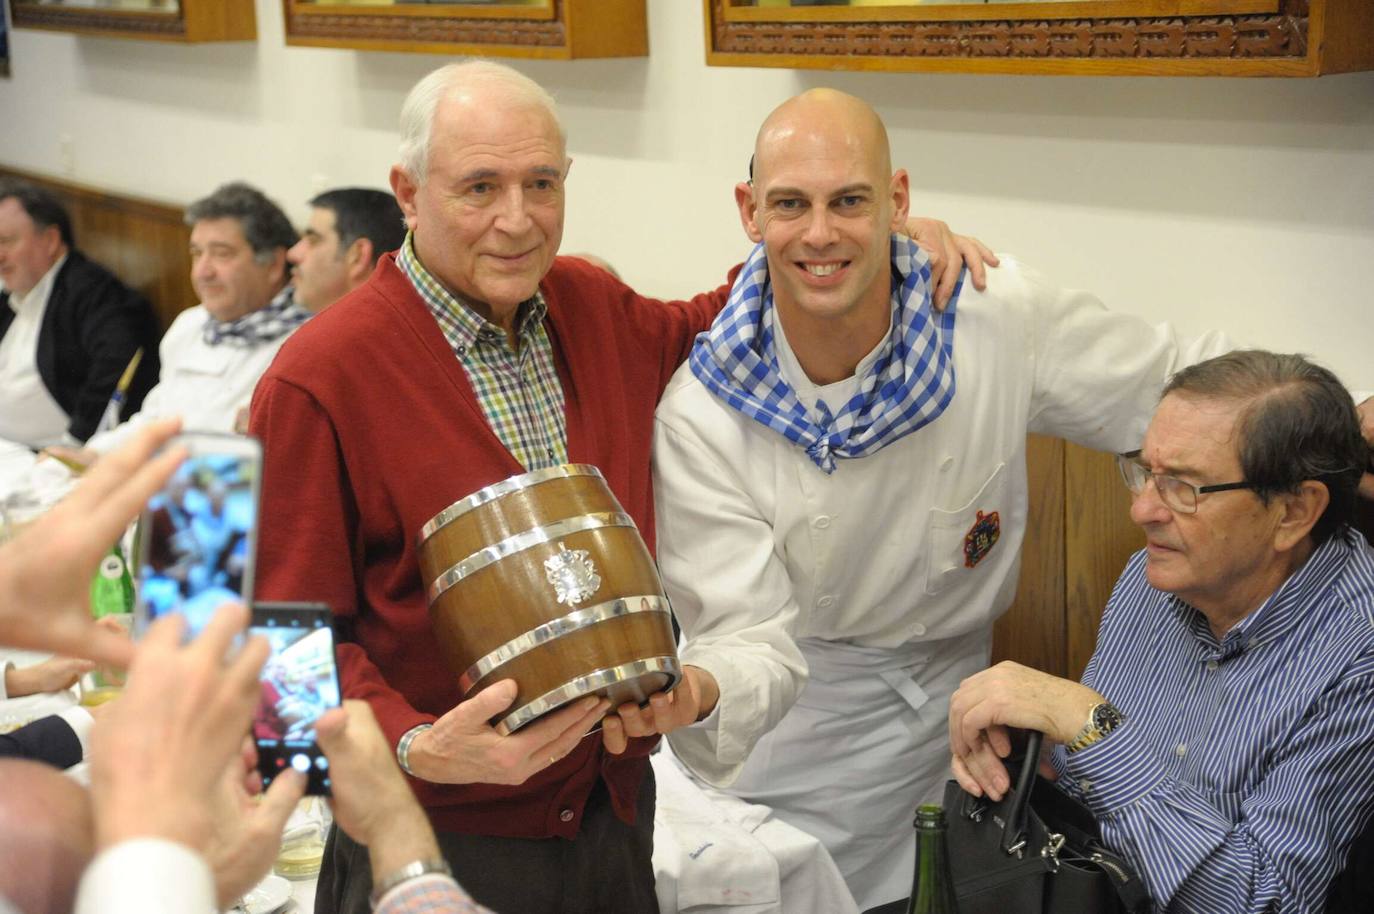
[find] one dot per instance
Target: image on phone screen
(198, 538)
(299, 683)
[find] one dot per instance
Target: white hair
(417, 111)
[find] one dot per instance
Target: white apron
(866, 742)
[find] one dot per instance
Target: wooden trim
(563, 30)
(956, 12)
(1254, 44)
(1347, 35)
(193, 21)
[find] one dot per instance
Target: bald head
(821, 120)
(46, 837)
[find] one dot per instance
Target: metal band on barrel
(557, 628)
(504, 487)
(584, 685)
(522, 541)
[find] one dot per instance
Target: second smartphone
(299, 682)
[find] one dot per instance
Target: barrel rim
(565, 624)
(590, 682)
(519, 542)
(504, 487)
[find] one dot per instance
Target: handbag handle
(1014, 831)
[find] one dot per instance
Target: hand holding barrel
(693, 699)
(464, 748)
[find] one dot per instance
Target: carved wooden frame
(191, 21)
(1247, 43)
(563, 29)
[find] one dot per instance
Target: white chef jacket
(879, 578)
(28, 412)
(205, 385)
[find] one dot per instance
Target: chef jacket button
(825, 601)
(822, 521)
(946, 464)
(918, 629)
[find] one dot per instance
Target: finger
(613, 736)
(999, 739)
(330, 729)
(163, 635)
(971, 253)
(474, 714)
(950, 268)
(635, 720)
(280, 800)
(576, 726)
(966, 780)
(987, 769)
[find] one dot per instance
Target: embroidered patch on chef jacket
(981, 537)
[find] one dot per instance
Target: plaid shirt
(519, 392)
(431, 894)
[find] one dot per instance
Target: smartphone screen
(198, 535)
(299, 683)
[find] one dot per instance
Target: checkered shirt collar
(907, 387)
(462, 326)
(278, 318)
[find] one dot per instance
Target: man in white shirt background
(68, 326)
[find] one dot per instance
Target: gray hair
(417, 111)
(264, 226)
(1297, 422)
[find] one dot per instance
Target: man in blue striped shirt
(1223, 733)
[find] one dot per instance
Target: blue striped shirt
(1244, 768)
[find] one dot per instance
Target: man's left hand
(949, 254)
(1009, 695)
(694, 698)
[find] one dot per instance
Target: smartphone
(300, 681)
(198, 535)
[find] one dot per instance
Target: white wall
(1244, 204)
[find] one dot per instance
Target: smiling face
(824, 201)
(27, 252)
(229, 279)
(1221, 560)
(488, 218)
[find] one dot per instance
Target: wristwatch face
(1106, 717)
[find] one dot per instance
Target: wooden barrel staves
(544, 579)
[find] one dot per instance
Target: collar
(37, 298)
(461, 322)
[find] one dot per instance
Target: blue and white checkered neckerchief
(279, 317)
(908, 386)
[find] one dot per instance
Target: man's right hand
(463, 748)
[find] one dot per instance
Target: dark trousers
(607, 869)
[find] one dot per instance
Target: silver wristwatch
(403, 747)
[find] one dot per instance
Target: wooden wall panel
(1032, 631)
(144, 242)
(1098, 539)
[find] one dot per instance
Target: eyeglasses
(1176, 494)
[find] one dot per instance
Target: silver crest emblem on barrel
(572, 574)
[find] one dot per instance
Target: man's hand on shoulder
(463, 748)
(950, 253)
(694, 698)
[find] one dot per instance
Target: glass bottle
(932, 892)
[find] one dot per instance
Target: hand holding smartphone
(199, 533)
(299, 683)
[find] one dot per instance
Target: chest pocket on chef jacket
(949, 530)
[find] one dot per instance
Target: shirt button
(946, 464)
(1211, 666)
(566, 815)
(462, 350)
(1085, 785)
(825, 601)
(821, 522)
(918, 630)
(1181, 750)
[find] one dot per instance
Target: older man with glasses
(1221, 733)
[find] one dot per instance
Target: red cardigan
(370, 428)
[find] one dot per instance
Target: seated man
(841, 488)
(68, 327)
(1222, 731)
(213, 353)
(349, 229)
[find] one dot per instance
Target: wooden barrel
(544, 579)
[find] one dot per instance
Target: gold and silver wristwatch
(1102, 719)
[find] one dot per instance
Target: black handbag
(1036, 851)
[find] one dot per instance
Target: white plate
(269, 895)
